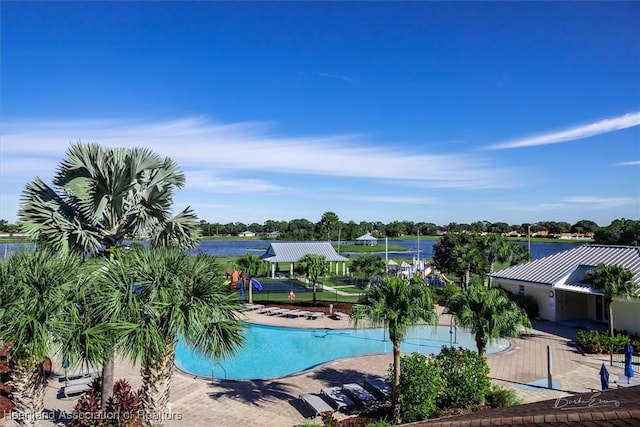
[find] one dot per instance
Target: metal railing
(617, 359)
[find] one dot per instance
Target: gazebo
(291, 252)
(367, 240)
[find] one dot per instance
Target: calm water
(272, 352)
(258, 247)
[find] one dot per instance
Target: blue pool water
(272, 352)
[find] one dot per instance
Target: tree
(313, 266)
(328, 226)
(101, 196)
(36, 314)
(488, 313)
(367, 265)
(398, 305)
(615, 282)
(496, 248)
(468, 257)
(250, 266)
(174, 296)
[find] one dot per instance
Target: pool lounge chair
(90, 373)
(359, 394)
(378, 387)
(268, 310)
(315, 315)
(339, 315)
(316, 404)
(251, 307)
(73, 390)
(279, 312)
(293, 313)
(337, 398)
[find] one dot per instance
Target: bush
(464, 375)
(122, 408)
(498, 397)
(448, 290)
(526, 302)
(600, 342)
(419, 387)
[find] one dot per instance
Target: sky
(437, 112)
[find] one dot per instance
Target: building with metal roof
(557, 283)
(291, 252)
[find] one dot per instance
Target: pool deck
(274, 403)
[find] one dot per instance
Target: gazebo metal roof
(293, 251)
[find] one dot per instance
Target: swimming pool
(272, 352)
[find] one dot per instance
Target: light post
(529, 236)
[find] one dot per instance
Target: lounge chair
(316, 404)
(279, 312)
(359, 393)
(83, 380)
(292, 313)
(378, 387)
(315, 315)
(268, 310)
(304, 313)
(251, 307)
(74, 390)
(339, 315)
(90, 373)
(337, 398)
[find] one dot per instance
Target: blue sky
(423, 111)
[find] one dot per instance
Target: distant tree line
(330, 227)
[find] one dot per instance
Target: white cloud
(633, 163)
(397, 199)
(337, 76)
(203, 180)
(579, 132)
(197, 143)
(603, 202)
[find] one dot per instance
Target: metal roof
(293, 251)
(367, 237)
(550, 269)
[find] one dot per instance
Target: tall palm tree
(469, 257)
(250, 266)
(496, 249)
(102, 195)
(368, 265)
(174, 297)
(314, 266)
(488, 313)
(615, 282)
(397, 304)
(37, 316)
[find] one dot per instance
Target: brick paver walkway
(274, 403)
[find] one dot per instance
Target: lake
(258, 247)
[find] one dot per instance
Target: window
(521, 290)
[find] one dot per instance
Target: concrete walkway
(274, 403)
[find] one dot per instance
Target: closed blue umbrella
(628, 369)
(604, 377)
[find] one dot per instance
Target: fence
(617, 359)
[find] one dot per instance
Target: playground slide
(256, 285)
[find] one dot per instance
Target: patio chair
(378, 387)
(359, 394)
(73, 390)
(338, 315)
(315, 315)
(280, 311)
(337, 398)
(316, 404)
(268, 310)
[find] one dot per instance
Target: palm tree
(250, 266)
(170, 296)
(488, 313)
(314, 266)
(615, 282)
(367, 266)
(398, 305)
(37, 316)
(496, 248)
(469, 257)
(102, 195)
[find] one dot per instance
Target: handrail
(213, 369)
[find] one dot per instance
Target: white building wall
(540, 294)
(626, 316)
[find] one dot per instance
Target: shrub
(464, 375)
(448, 290)
(124, 405)
(526, 302)
(498, 397)
(600, 342)
(419, 386)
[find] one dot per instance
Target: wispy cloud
(603, 202)
(632, 163)
(337, 76)
(397, 199)
(579, 132)
(199, 144)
